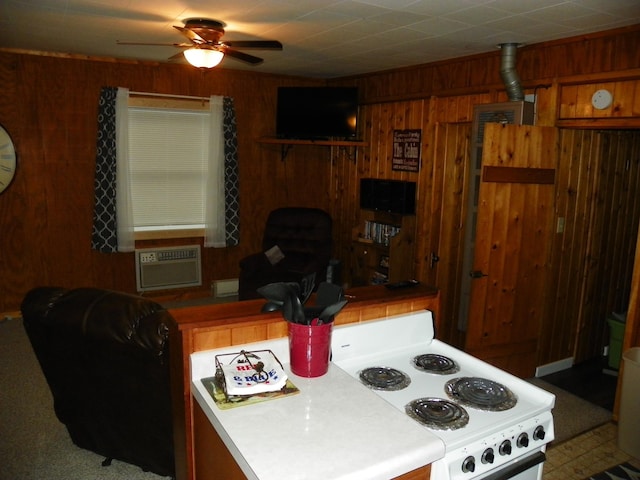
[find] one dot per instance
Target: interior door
(514, 233)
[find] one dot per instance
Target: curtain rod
(168, 95)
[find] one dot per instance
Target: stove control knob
(469, 464)
(539, 433)
(505, 448)
(523, 440)
(488, 456)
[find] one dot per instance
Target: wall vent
(168, 267)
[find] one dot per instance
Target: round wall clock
(7, 159)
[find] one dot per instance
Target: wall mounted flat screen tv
(317, 113)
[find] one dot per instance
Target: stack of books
(379, 232)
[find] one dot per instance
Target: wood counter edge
(247, 310)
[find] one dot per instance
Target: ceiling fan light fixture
(203, 57)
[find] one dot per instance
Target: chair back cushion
(299, 230)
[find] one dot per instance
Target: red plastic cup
(309, 349)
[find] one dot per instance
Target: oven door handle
(517, 468)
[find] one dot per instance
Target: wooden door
(514, 233)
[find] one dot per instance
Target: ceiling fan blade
(258, 44)
(181, 45)
(191, 35)
(178, 57)
(245, 57)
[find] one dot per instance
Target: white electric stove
(494, 425)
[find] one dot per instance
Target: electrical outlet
(148, 257)
(225, 288)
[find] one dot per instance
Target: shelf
(372, 244)
(327, 143)
(287, 144)
(375, 262)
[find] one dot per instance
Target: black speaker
(392, 196)
(367, 195)
(403, 198)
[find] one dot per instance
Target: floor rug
(572, 415)
(623, 471)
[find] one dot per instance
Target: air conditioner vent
(498, 116)
(168, 267)
(514, 113)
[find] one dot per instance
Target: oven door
(526, 468)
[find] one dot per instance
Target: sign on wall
(407, 145)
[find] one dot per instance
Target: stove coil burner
(437, 413)
(434, 363)
(481, 393)
(384, 378)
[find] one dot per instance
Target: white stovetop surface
(334, 429)
(358, 346)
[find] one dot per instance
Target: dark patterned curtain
(104, 234)
(231, 180)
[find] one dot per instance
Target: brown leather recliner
(303, 235)
(105, 356)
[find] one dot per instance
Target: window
(187, 169)
(169, 164)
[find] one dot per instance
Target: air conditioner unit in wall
(168, 267)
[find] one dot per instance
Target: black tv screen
(317, 112)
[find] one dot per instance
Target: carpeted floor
(571, 414)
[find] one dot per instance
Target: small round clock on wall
(7, 159)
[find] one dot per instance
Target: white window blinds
(168, 151)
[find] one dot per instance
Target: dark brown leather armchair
(303, 235)
(105, 356)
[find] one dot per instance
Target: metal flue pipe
(508, 72)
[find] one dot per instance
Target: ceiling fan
(206, 48)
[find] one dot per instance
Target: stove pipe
(508, 72)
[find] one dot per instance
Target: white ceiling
(321, 38)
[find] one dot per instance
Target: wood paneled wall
(597, 198)
(49, 106)
(575, 100)
(439, 99)
(537, 64)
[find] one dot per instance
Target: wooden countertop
(248, 310)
